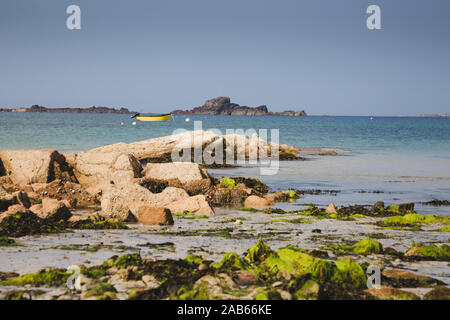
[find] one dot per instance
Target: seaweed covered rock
(19, 221)
(363, 247)
(405, 279)
(258, 252)
(256, 184)
(420, 251)
(367, 246)
(438, 293)
(391, 294)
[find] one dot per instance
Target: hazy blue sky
(315, 55)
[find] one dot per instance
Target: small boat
(151, 117)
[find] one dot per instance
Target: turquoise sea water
(407, 158)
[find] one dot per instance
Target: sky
(161, 55)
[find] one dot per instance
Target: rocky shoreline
(138, 226)
(223, 106)
(93, 109)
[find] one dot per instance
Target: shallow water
(407, 158)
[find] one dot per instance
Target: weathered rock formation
(35, 166)
(223, 106)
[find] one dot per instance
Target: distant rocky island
(223, 106)
(435, 115)
(36, 108)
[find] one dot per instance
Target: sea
(391, 159)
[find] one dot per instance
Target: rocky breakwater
(45, 187)
(223, 106)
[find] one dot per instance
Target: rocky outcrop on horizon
(93, 109)
(223, 106)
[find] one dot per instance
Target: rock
(35, 166)
(280, 196)
(73, 193)
(154, 216)
(195, 204)
(18, 197)
(331, 209)
(223, 196)
(116, 208)
(309, 291)
(186, 175)
(405, 207)
(53, 210)
(95, 169)
(378, 206)
(405, 279)
(121, 202)
(257, 202)
(391, 294)
(319, 151)
(160, 149)
(19, 221)
(183, 171)
(438, 293)
(431, 252)
(245, 278)
(223, 106)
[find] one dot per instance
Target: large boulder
(186, 175)
(257, 202)
(160, 149)
(95, 169)
(35, 166)
(121, 202)
(52, 209)
(154, 216)
(195, 204)
(185, 172)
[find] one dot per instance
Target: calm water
(407, 158)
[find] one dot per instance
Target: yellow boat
(152, 117)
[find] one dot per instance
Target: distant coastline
(435, 115)
(94, 109)
(223, 106)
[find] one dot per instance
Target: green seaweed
(363, 247)
(101, 225)
(258, 252)
(46, 277)
(349, 273)
(103, 291)
(7, 242)
(228, 183)
(249, 209)
(412, 219)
